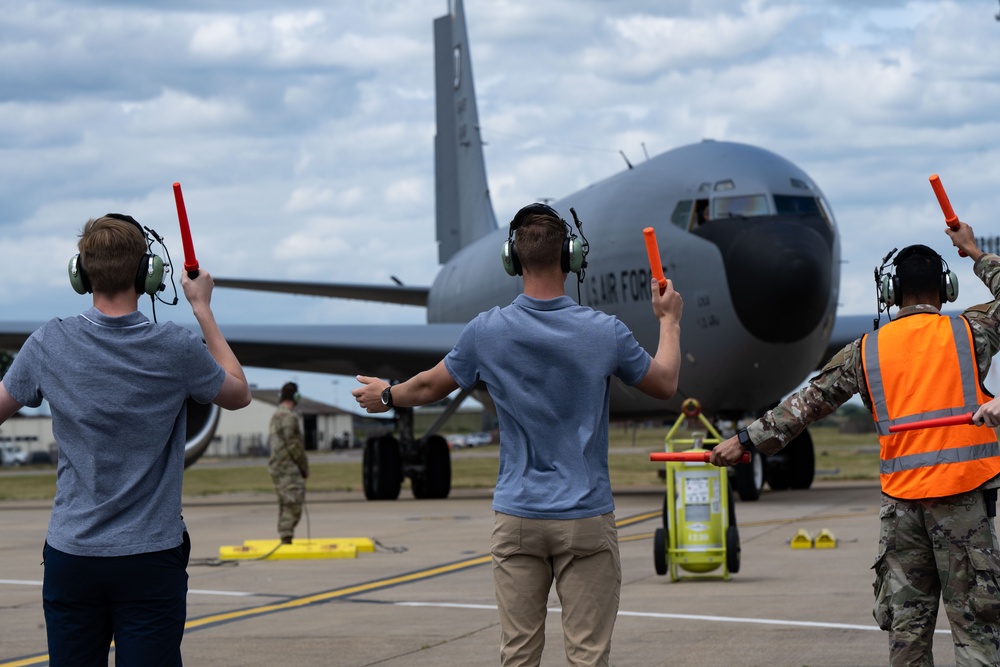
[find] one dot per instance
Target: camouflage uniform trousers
(929, 549)
(290, 486)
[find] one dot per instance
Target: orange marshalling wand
(698, 456)
(954, 420)
(653, 251)
(950, 218)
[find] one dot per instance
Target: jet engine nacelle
(202, 420)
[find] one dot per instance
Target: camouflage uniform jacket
(286, 441)
(844, 374)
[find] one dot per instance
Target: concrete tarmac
(425, 598)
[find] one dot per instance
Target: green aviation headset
(573, 257)
(890, 292)
(148, 277)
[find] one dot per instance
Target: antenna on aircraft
(622, 153)
(396, 280)
(997, 16)
(644, 151)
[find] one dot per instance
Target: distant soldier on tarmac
(288, 466)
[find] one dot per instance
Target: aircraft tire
(750, 478)
(801, 461)
(435, 480)
(660, 551)
(733, 549)
(382, 469)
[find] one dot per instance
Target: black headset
(890, 292)
(148, 277)
(574, 253)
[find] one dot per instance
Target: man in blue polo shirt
(547, 363)
(116, 549)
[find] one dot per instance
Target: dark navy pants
(138, 601)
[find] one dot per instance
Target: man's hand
(369, 395)
(668, 305)
(988, 414)
(727, 453)
(198, 291)
(964, 239)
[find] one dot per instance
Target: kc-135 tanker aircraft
(747, 237)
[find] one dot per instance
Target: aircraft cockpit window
(722, 186)
(798, 184)
(682, 214)
(746, 206)
(794, 205)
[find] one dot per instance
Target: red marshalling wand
(954, 420)
(190, 261)
(697, 456)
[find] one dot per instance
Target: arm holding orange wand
(660, 380)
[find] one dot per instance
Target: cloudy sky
(302, 131)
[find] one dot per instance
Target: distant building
(324, 427)
(32, 432)
(239, 433)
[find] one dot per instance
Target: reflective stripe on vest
(931, 362)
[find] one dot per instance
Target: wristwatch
(387, 397)
(745, 442)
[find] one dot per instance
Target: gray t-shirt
(548, 367)
(116, 387)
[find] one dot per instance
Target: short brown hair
(539, 241)
(110, 252)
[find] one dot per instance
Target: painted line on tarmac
(675, 617)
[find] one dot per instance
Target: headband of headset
(890, 289)
(148, 277)
(572, 255)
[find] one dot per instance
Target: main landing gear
(389, 459)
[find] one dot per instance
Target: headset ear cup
(949, 286)
(574, 253)
(508, 255)
(77, 277)
(154, 278)
(149, 278)
(886, 290)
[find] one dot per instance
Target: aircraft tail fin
(464, 208)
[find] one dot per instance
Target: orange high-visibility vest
(920, 367)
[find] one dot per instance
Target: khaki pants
(581, 555)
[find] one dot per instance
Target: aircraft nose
(779, 275)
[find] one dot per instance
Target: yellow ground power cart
(699, 534)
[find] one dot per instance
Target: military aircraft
(747, 237)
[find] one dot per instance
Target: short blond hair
(110, 252)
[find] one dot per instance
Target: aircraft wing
(407, 296)
(383, 350)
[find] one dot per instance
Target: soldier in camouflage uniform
(927, 547)
(288, 466)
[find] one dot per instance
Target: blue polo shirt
(548, 365)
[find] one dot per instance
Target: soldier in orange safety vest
(939, 486)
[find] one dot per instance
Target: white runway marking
(682, 617)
